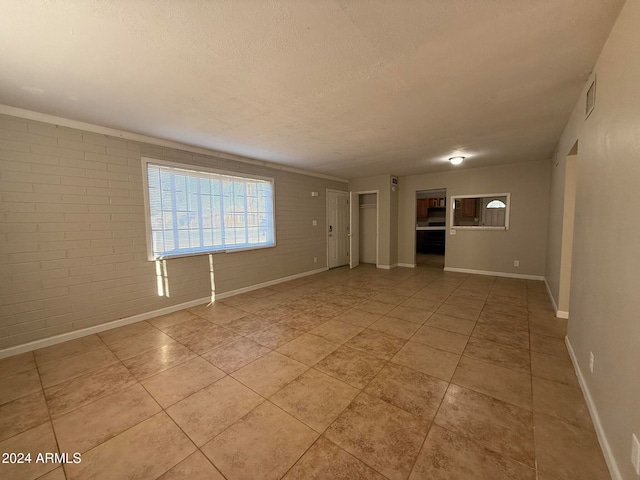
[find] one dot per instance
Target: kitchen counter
(443, 228)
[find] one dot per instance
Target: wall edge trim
(238, 291)
(137, 137)
(494, 274)
(407, 265)
(595, 417)
(83, 332)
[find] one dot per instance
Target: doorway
(568, 218)
(367, 232)
(337, 228)
(431, 218)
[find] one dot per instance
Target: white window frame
(198, 168)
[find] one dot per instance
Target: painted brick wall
(72, 232)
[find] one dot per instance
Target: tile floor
(362, 374)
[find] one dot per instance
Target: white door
(337, 228)
(354, 230)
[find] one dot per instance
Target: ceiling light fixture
(456, 160)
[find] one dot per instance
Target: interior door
(337, 228)
(354, 230)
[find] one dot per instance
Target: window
(496, 204)
(487, 212)
(193, 210)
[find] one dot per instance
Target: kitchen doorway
(431, 218)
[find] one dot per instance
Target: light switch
(314, 223)
(452, 231)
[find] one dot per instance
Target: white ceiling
(346, 88)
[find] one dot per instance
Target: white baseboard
(387, 267)
(559, 313)
(64, 337)
(231, 293)
(494, 274)
(407, 265)
(602, 437)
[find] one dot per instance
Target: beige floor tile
(194, 467)
(264, 444)
(304, 321)
(499, 354)
(155, 361)
(173, 385)
(183, 330)
(555, 327)
(218, 313)
(145, 451)
(19, 385)
(450, 456)
(52, 373)
(442, 339)
(315, 399)
(209, 338)
(458, 311)
(170, 319)
(566, 452)
(208, 412)
(247, 324)
(67, 349)
(451, 324)
(389, 297)
(308, 349)
(348, 301)
(358, 317)
(502, 383)
(376, 343)
(500, 426)
(408, 389)
(22, 414)
(132, 346)
(426, 359)
(410, 314)
(16, 364)
(79, 391)
(557, 369)
(465, 301)
(325, 460)
(232, 356)
(328, 310)
(117, 334)
(86, 427)
(508, 336)
(549, 345)
(335, 331)
(269, 373)
(421, 304)
(275, 336)
(519, 300)
(278, 313)
(351, 366)
(506, 309)
(562, 401)
(37, 440)
(385, 437)
(504, 321)
(374, 307)
(395, 327)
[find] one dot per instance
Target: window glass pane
(193, 211)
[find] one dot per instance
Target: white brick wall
(72, 232)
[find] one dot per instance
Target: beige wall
(492, 251)
(73, 246)
(387, 215)
(604, 316)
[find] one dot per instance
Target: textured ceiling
(346, 88)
